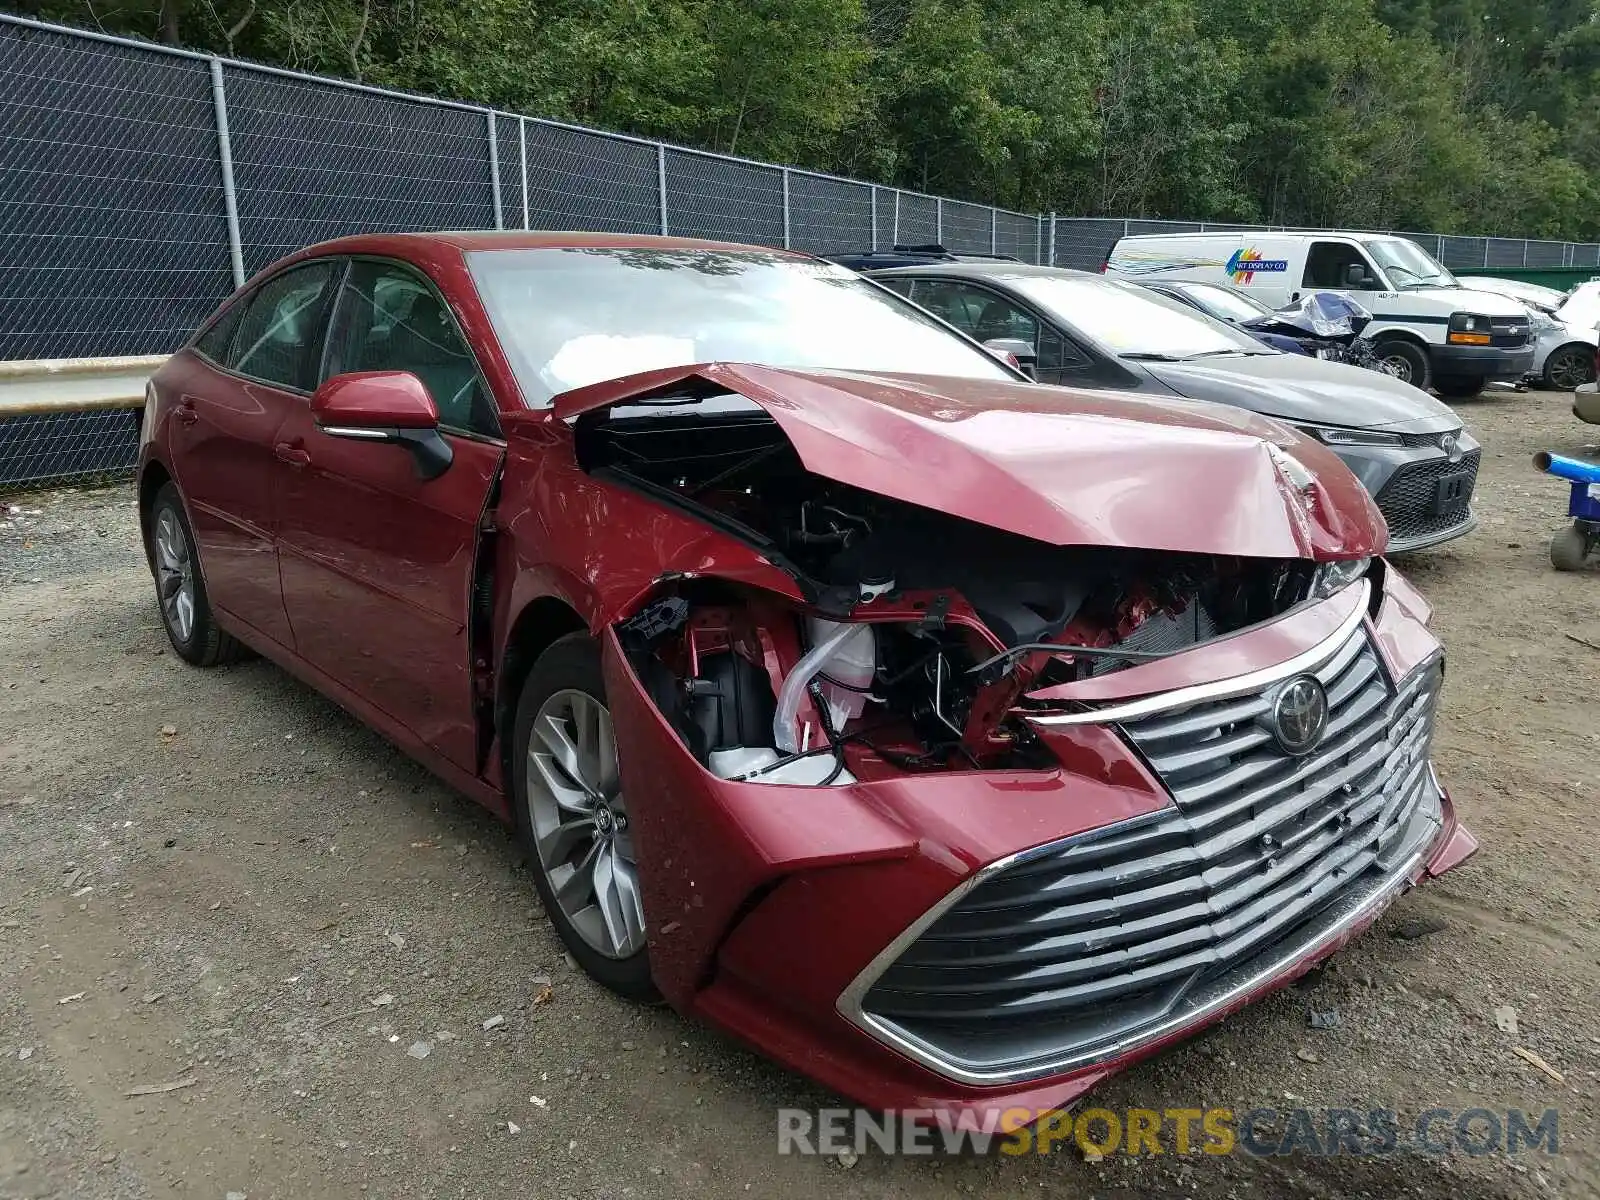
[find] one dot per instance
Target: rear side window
(281, 329)
(213, 340)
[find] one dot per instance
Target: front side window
(391, 319)
(570, 317)
(1328, 266)
(282, 326)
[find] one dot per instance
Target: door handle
(186, 414)
(292, 454)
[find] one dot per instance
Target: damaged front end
(973, 809)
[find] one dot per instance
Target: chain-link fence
(1085, 242)
(140, 184)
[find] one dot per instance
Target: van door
(1335, 266)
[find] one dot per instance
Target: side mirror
(384, 406)
(1014, 351)
(1355, 275)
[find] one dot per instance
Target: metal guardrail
(68, 385)
(66, 419)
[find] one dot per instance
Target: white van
(1429, 328)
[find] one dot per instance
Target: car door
(378, 563)
(985, 314)
(245, 374)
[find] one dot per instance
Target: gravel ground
(219, 880)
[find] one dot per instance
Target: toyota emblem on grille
(1300, 715)
(1451, 445)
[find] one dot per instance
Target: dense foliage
(1469, 116)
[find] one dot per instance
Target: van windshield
(1408, 265)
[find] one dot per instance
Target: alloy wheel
(1570, 368)
(580, 823)
(175, 574)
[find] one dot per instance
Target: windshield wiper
(1150, 356)
(1215, 353)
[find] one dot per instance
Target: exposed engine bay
(923, 633)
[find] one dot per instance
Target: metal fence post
(230, 198)
(661, 184)
(1486, 242)
(785, 173)
(895, 231)
(872, 197)
(494, 171)
(938, 219)
(1524, 252)
(1038, 240)
(522, 153)
(994, 230)
(1051, 261)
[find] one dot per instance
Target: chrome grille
(1088, 942)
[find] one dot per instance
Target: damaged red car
(952, 739)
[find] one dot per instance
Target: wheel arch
(152, 479)
(539, 623)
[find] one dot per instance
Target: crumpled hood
(1295, 387)
(1062, 466)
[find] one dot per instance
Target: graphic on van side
(1145, 262)
(1245, 263)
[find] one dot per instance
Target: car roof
(985, 270)
(472, 240)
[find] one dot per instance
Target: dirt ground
(219, 877)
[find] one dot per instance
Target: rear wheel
(574, 819)
(181, 587)
(1404, 360)
(1569, 367)
(1459, 387)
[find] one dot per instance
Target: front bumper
(794, 973)
(1405, 483)
(1486, 362)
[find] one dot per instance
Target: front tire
(1569, 367)
(181, 587)
(1459, 387)
(1404, 360)
(570, 810)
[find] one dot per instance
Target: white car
(1432, 330)
(1564, 324)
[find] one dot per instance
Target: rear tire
(1569, 367)
(181, 587)
(570, 811)
(1404, 360)
(1459, 387)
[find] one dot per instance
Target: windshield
(1132, 322)
(573, 316)
(1227, 304)
(1408, 265)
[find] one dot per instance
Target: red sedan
(952, 739)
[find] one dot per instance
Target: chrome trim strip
(360, 434)
(850, 1000)
(1221, 689)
